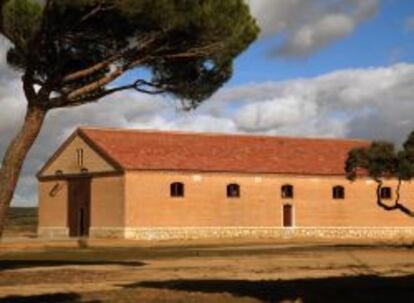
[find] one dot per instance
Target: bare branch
(397, 205)
(96, 85)
(106, 63)
(157, 88)
(91, 70)
(96, 10)
(138, 85)
(92, 89)
(397, 191)
(28, 88)
(194, 52)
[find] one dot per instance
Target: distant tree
(382, 161)
(71, 52)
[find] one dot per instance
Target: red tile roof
(156, 150)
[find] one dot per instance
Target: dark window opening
(287, 191)
(338, 192)
(177, 189)
(233, 191)
(386, 193)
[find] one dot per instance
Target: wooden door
(79, 201)
(287, 215)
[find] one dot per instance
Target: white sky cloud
(276, 113)
(307, 26)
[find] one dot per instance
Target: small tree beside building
(380, 161)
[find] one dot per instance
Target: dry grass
(21, 222)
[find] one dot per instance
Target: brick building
(164, 185)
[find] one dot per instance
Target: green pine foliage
(382, 160)
(21, 19)
(195, 42)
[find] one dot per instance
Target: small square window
(177, 189)
(233, 191)
(386, 193)
(287, 191)
(338, 192)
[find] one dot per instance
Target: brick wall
(53, 206)
(205, 204)
(107, 202)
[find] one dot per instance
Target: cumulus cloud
(372, 103)
(307, 26)
(368, 103)
(274, 114)
(11, 96)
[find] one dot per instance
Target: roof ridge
(216, 134)
(135, 149)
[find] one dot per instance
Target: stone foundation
(53, 232)
(193, 233)
(108, 232)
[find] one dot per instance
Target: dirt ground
(232, 271)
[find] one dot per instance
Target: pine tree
(71, 52)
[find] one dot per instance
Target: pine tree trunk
(14, 158)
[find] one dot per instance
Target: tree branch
(91, 70)
(93, 97)
(106, 63)
(96, 10)
(91, 90)
(28, 88)
(100, 83)
(136, 86)
(96, 85)
(194, 52)
(397, 205)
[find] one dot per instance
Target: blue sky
(378, 41)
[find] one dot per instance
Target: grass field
(38, 271)
(21, 222)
